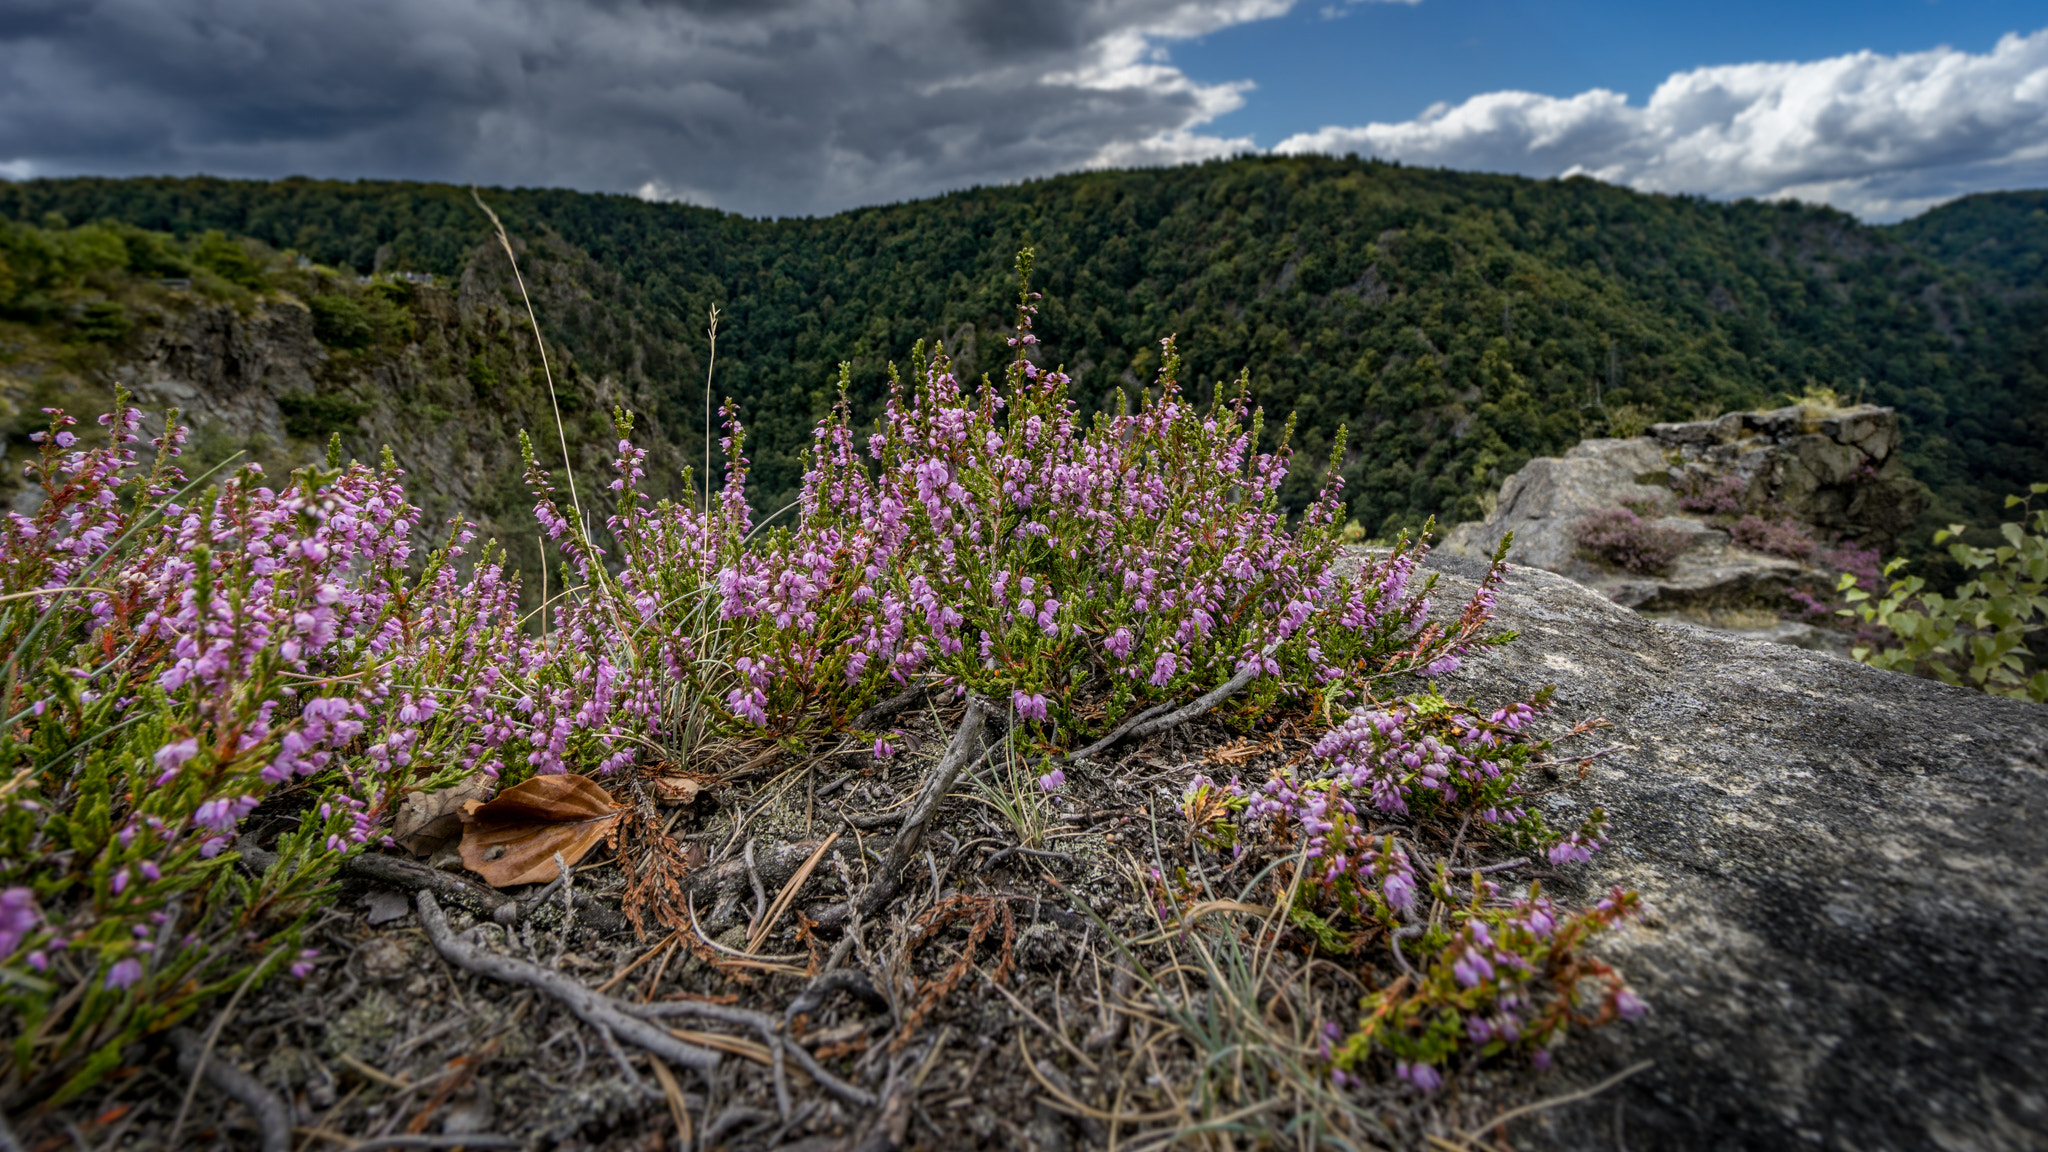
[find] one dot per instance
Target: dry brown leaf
(514, 838)
(675, 789)
(1236, 750)
(427, 820)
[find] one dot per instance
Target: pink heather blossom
(172, 757)
(18, 918)
(1423, 1076)
(1051, 781)
(124, 973)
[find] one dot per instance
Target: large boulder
(1846, 872)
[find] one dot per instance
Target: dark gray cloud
(763, 107)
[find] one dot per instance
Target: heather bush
(1476, 969)
(1621, 537)
(174, 657)
(1725, 496)
(1777, 536)
(1976, 636)
(1077, 571)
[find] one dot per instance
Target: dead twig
(590, 1007)
(883, 709)
(937, 783)
(1142, 727)
(1555, 1101)
(769, 1031)
(206, 1050)
(1020, 850)
(272, 1117)
(787, 896)
(466, 1140)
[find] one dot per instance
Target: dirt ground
(1003, 999)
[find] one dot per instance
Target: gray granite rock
(1847, 872)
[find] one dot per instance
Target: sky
(1883, 108)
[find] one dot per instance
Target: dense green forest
(1459, 324)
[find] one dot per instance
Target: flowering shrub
(1510, 976)
(1778, 536)
(1076, 571)
(1726, 496)
(1504, 972)
(1620, 537)
(174, 660)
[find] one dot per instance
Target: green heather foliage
(1459, 324)
(1977, 635)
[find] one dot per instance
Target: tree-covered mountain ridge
(1459, 324)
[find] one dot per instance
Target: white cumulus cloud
(1879, 136)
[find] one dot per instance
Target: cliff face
(1846, 872)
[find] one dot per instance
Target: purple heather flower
(124, 974)
(18, 918)
(1052, 780)
(220, 815)
(1629, 1004)
(1423, 1076)
(883, 749)
(172, 757)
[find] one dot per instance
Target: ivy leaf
(514, 838)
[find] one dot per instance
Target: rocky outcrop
(1804, 479)
(224, 370)
(1846, 872)
(1835, 470)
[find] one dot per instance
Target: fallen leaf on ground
(514, 838)
(427, 820)
(386, 905)
(676, 789)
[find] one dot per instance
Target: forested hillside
(1458, 323)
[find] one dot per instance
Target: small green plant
(1976, 636)
(1020, 796)
(1626, 421)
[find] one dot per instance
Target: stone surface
(1833, 473)
(1847, 872)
